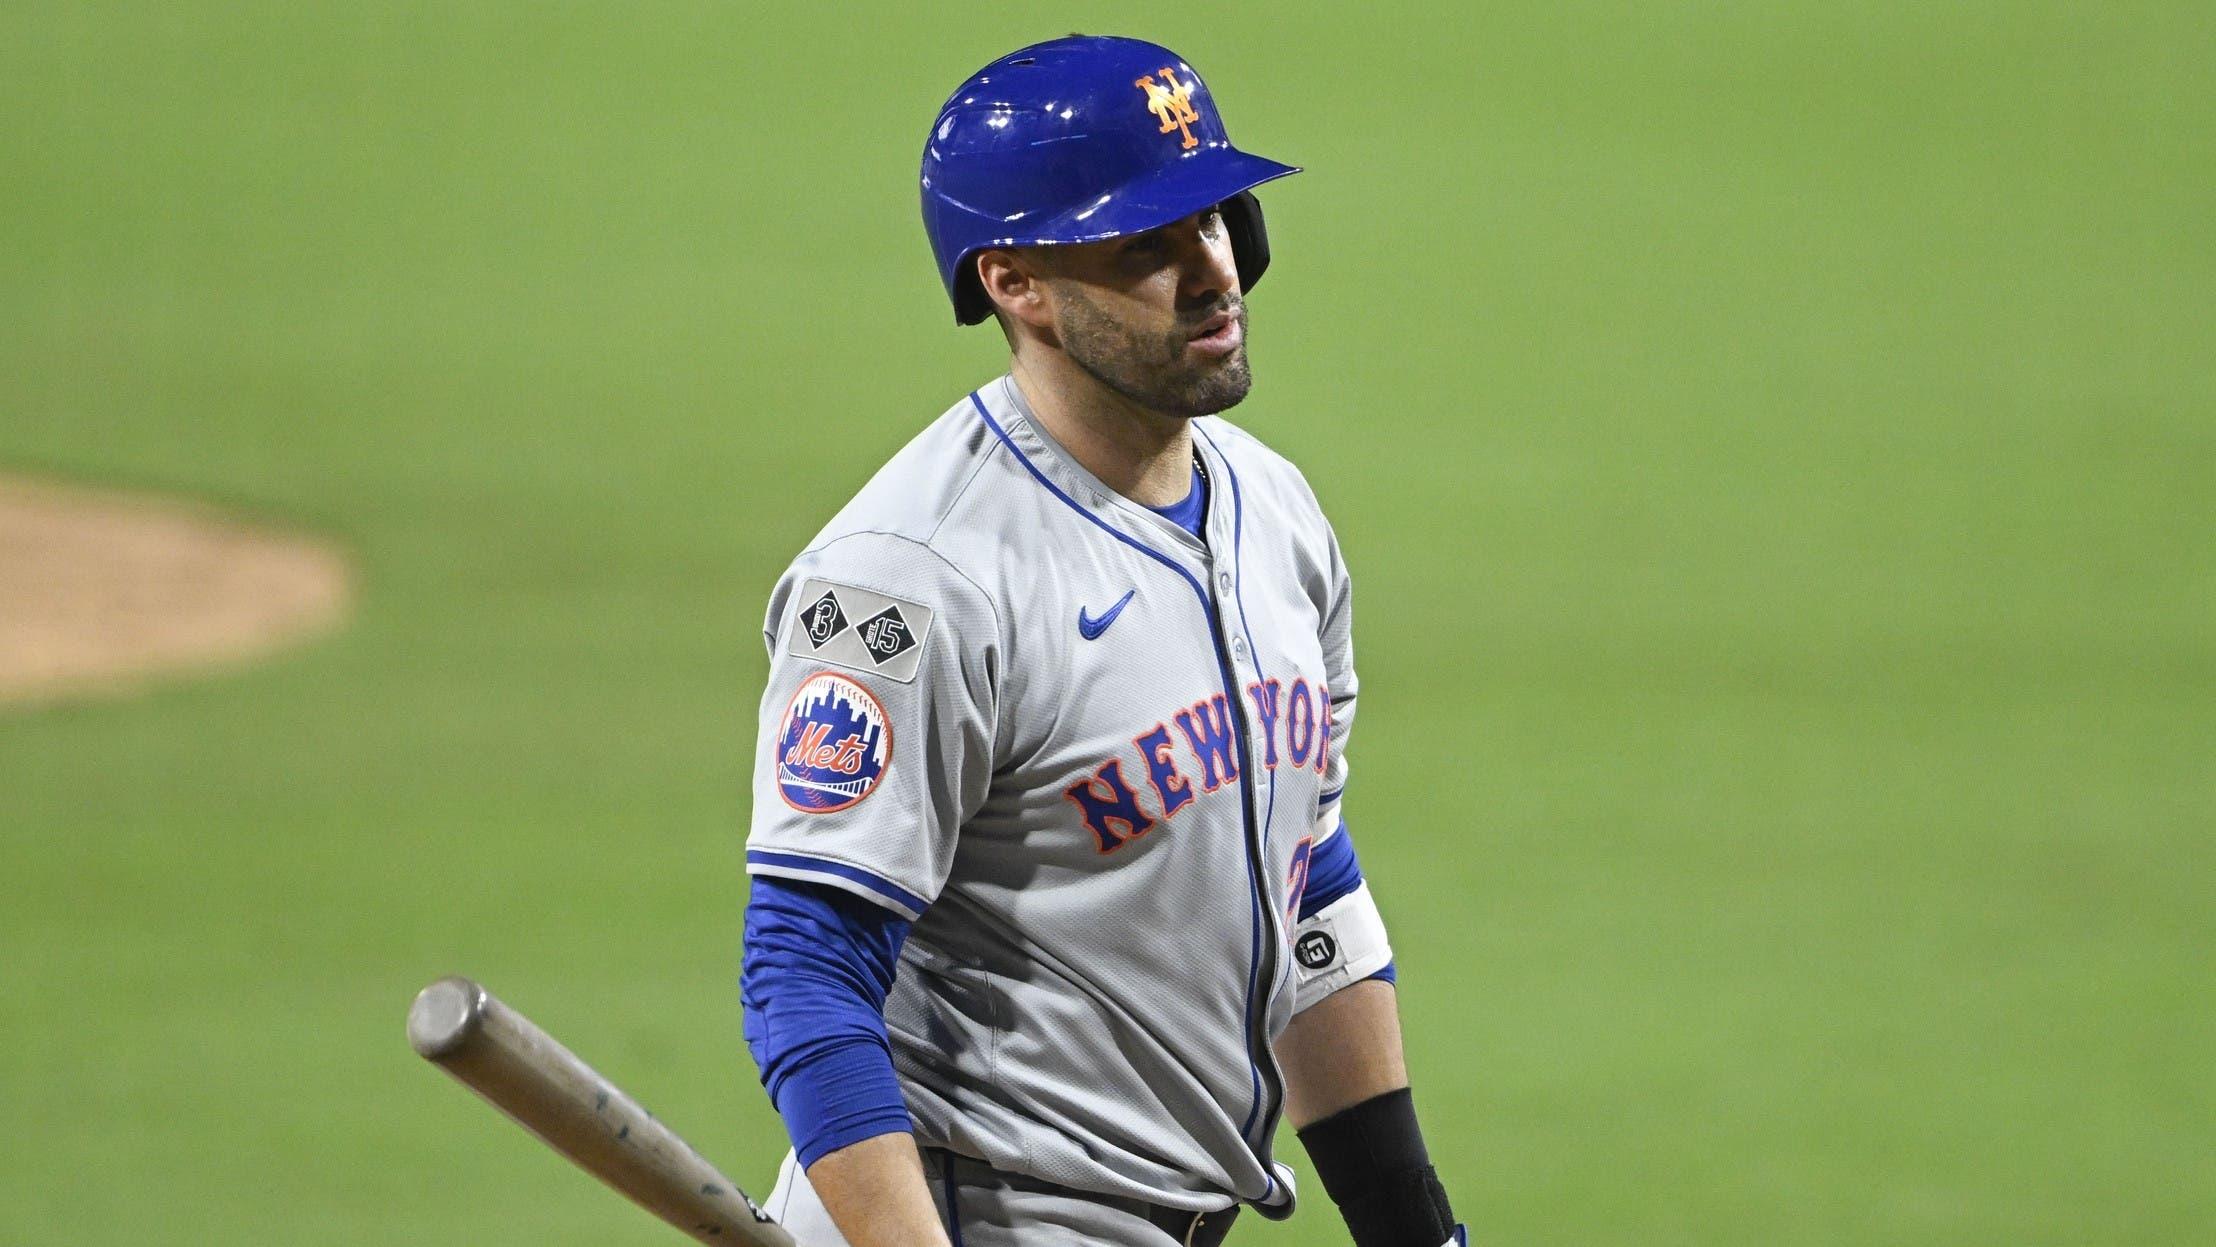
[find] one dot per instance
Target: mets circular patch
(835, 745)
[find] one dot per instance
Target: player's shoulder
(1265, 479)
(1275, 503)
(888, 540)
(925, 481)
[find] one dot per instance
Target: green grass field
(1776, 446)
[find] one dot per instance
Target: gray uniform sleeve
(1337, 637)
(877, 722)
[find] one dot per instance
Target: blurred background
(1775, 445)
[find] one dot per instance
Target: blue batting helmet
(1076, 140)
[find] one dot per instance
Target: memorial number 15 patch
(856, 628)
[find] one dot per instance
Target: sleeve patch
(859, 630)
(834, 746)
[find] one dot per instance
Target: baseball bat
(498, 1053)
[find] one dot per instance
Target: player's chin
(1220, 386)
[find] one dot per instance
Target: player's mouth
(1219, 335)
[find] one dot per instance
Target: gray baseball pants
(981, 1207)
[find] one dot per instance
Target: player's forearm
(1346, 1089)
(875, 1191)
(1342, 1050)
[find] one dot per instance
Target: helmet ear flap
(1250, 240)
(971, 304)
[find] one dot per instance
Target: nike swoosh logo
(1091, 628)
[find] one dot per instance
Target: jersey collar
(1005, 398)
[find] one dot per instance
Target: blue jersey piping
(1230, 688)
(876, 883)
(953, 1201)
(1238, 598)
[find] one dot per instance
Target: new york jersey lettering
(1207, 727)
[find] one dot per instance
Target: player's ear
(1016, 285)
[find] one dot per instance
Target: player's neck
(1140, 453)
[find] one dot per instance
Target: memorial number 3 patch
(859, 629)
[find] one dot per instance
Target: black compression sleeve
(1373, 1164)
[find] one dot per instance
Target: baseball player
(1054, 912)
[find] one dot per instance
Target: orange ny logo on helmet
(1172, 101)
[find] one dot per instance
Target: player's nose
(1211, 269)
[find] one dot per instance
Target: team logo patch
(834, 747)
(1316, 950)
(888, 641)
(1171, 102)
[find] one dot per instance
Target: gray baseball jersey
(1090, 756)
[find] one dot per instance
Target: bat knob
(444, 1016)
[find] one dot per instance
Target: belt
(1186, 1227)
(1193, 1229)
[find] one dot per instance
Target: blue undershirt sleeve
(1334, 873)
(819, 962)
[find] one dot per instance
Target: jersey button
(1225, 581)
(1238, 650)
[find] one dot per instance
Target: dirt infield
(104, 592)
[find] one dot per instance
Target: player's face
(1157, 317)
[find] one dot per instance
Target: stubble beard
(1153, 370)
